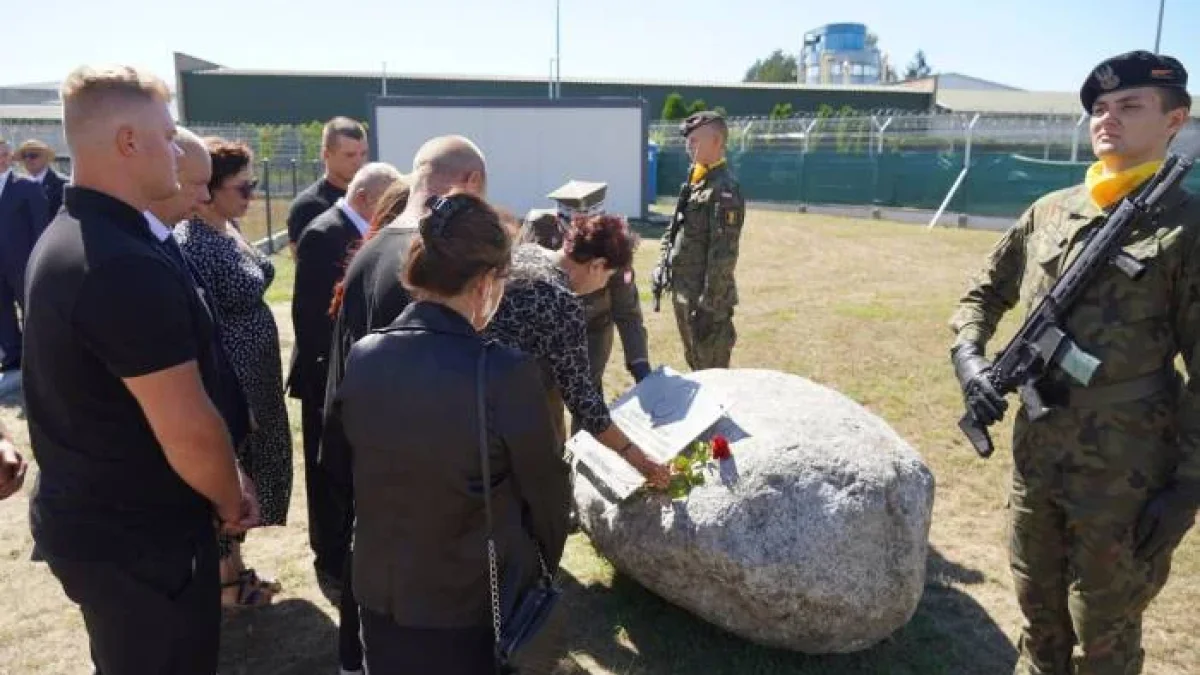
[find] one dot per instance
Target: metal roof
(1010, 102)
(42, 113)
(375, 75)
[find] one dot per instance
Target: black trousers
(396, 649)
(11, 296)
(158, 614)
(350, 651)
(326, 508)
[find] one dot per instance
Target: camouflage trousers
(1081, 478)
(708, 337)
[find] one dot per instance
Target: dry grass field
(860, 306)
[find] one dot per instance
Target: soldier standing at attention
(700, 247)
(1106, 486)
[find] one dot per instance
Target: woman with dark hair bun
(408, 409)
(542, 314)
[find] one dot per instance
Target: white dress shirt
(358, 220)
(41, 176)
(160, 231)
(4, 180)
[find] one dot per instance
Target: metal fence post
(294, 190)
(1075, 138)
(267, 191)
(961, 175)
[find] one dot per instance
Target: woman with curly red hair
(542, 314)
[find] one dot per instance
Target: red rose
(720, 448)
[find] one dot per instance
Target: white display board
(532, 146)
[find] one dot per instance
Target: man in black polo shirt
(344, 151)
(135, 460)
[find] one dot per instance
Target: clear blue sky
(1034, 44)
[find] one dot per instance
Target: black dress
(238, 277)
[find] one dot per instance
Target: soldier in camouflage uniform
(1106, 486)
(614, 308)
(700, 248)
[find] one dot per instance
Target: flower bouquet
(689, 466)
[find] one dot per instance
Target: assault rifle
(661, 278)
(1042, 342)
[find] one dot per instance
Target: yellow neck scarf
(699, 171)
(1107, 189)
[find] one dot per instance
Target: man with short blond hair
(343, 150)
(136, 462)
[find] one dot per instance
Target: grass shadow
(627, 630)
(290, 637)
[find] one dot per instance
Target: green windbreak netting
(999, 184)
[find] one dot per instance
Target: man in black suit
(37, 158)
(23, 217)
(321, 255)
(344, 151)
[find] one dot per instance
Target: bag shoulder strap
(486, 470)
(484, 458)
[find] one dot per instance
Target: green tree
(918, 67)
(674, 108)
(778, 67)
(268, 139)
(310, 140)
(697, 106)
(720, 110)
(781, 111)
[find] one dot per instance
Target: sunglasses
(245, 189)
(30, 155)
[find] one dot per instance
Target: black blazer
(52, 187)
(407, 407)
(23, 218)
(320, 260)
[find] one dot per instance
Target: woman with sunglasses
(236, 276)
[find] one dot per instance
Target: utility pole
(557, 49)
(1158, 35)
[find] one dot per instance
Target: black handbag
(535, 603)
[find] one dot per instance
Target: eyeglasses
(245, 189)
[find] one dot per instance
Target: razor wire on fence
(988, 165)
(969, 164)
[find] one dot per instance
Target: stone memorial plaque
(662, 414)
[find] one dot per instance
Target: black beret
(1132, 69)
(697, 120)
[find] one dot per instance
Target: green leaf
(678, 487)
(681, 463)
(697, 479)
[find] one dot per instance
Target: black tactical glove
(982, 399)
(1166, 519)
(639, 370)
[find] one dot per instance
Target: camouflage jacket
(618, 303)
(1133, 326)
(704, 252)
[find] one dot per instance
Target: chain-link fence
(988, 165)
(972, 164)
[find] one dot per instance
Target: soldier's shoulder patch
(733, 217)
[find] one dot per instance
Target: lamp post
(558, 50)
(1158, 35)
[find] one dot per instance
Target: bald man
(195, 170)
(136, 462)
(372, 298)
(320, 259)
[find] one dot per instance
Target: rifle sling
(1119, 392)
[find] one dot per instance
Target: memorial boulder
(811, 536)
